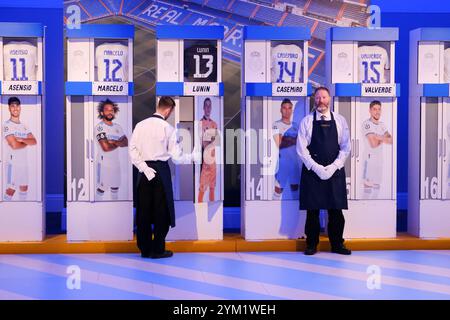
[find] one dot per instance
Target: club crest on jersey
(342, 55)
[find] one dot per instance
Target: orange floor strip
(230, 243)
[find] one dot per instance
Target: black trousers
(336, 224)
(152, 216)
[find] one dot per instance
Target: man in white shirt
(18, 138)
(153, 142)
(323, 144)
(376, 136)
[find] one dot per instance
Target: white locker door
(344, 106)
(430, 148)
(89, 134)
(78, 162)
(255, 149)
(445, 152)
(110, 138)
(183, 121)
(374, 149)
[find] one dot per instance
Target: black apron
(162, 169)
(315, 193)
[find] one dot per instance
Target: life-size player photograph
(375, 161)
(111, 139)
(376, 138)
(284, 133)
(208, 110)
(21, 133)
(111, 149)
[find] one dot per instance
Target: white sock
(100, 192)
(114, 194)
(23, 195)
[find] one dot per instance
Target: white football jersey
(19, 61)
(373, 154)
(111, 61)
(110, 132)
(372, 62)
(18, 130)
(286, 130)
(286, 63)
(447, 65)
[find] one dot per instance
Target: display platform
(232, 242)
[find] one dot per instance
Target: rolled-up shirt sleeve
(134, 149)
(344, 144)
(303, 140)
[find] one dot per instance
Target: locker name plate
(378, 90)
(110, 88)
(289, 89)
(201, 89)
(20, 87)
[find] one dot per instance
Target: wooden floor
(230, 243)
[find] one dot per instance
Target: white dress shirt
(155, 139)
(305, 133)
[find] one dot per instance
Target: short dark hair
(286, 100)
(101, 107)
(207, 99)
(166, 102)
(14, 100)
(322, 88)
(375, 103)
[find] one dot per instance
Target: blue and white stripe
(261, 276)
